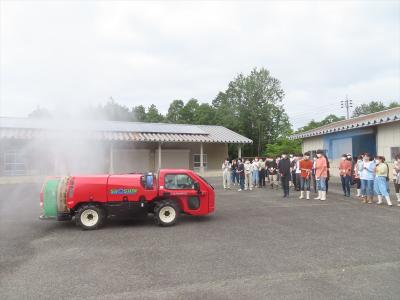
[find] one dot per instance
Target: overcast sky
(66, 55)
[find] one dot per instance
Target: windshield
(206, 181)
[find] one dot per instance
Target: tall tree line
(250, 105)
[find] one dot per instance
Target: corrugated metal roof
(224, 135)
(207, 133)
(98, 125)
(382, 117)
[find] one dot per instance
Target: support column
(111, 170)
(159, 155)
(201, 159)
(240, 151)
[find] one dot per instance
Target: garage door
(131, 160)
(173, 159)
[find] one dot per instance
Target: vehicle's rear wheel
(166, 213)
(90, 217)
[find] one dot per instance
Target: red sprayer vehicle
(94, 199)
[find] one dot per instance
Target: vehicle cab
(193, 193)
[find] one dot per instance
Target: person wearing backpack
(380, 182)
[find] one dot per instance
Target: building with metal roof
(376, 133)
(39, 146)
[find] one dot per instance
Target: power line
(317, 109)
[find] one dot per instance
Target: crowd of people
(369, 173)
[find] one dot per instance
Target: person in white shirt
(226, 174)
(248, 168)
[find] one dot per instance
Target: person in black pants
(284, 171)
(261, 172)
(240, 172)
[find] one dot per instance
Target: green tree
(112, 111)
(188, 112)
(369, 108)
(204, 115)
(174, 114)
(283, 145)
(226, 112)
(315, 124)
(393, 104)
(153, 116)
(139, 113)
(252, 106)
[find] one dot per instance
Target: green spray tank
(53, 198)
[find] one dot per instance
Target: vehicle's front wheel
(166, 213)
(90, 217)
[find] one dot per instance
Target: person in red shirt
(321, 174)
(345, 174)
(306, 166)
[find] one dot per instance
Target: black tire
(166, 213)
(90, 217)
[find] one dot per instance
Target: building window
(14, 164)
(178, 182)
(196, 162)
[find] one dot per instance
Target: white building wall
(173, 158)
(313, 143)
(388, 135)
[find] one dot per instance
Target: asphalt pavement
(256, 245)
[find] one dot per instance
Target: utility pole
(346, 104)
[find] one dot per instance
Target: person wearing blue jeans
(346, 182)
(321, 184)
(367, 177)
(321, 175)
(255, 173)
(234, 177)
(381, 180)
